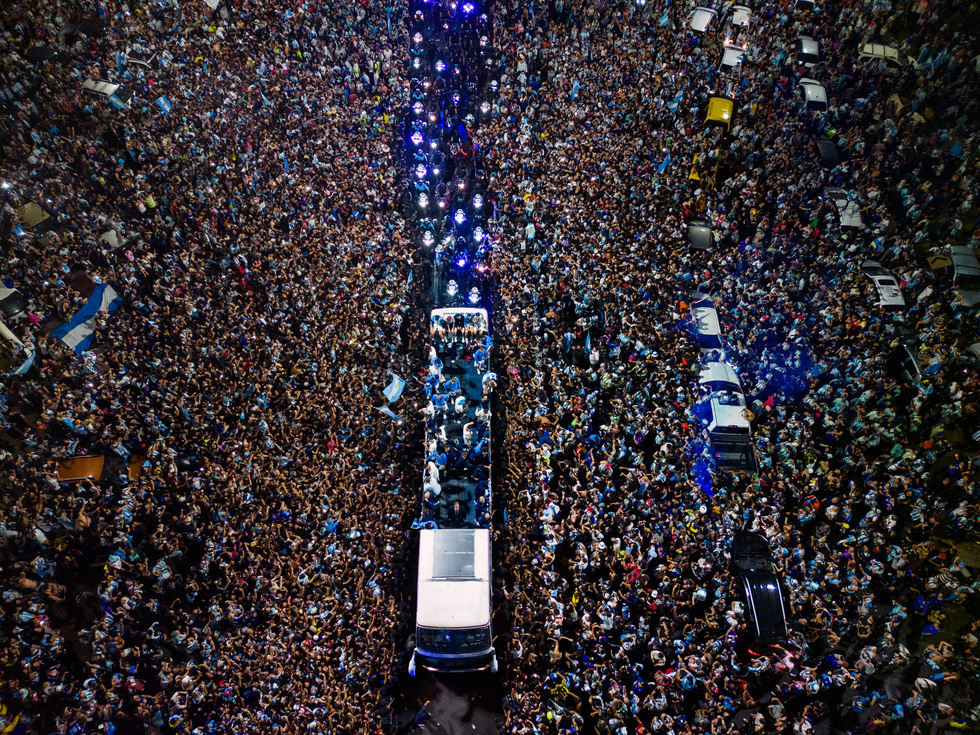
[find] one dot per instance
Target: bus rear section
(453, 632)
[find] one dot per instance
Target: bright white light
(478, 234)
(477, 201)
(420, 171)
(417, 138)
(415, 63)
(435, 172)
(440, 65)
(456, 98)
(461, 184)
(427, 237)
(417, 38)
(485, 108)
(460, 216)
(423, 200)
(418, 108)
(474, 296)
(452, 289)
(432, 144)
(468, 8)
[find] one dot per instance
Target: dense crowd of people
(249, 578)
(626, 613)
(256, 574)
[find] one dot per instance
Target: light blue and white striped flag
(80, 331)
(26, 365)
(394, 390)
(389, 413)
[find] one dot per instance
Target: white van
(729, 431)
(814, 95)
(893, 59)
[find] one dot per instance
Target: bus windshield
(453, 640)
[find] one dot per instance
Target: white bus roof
(706, 318)
(454, 577)
(713, 373)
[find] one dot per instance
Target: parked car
(827, 152)
(903, 365)
(807, 51)
(720, 111)
(699, 234)
(753, 563)
(13, 304)
(740, 15)
(893, 59)
(966, 267)
(732, 56)
(814, 95)
(848, 211)
(886, 285)
(702, 18)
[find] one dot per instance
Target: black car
(763, 593)
(12, 303)
(699, 233)
(827, 152)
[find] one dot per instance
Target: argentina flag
(394, 390)
(79, 332)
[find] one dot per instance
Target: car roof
(765, 598)
(12, 302)
(813, 90)
(701, 18)
(720, 110)
(874, 268)
(880, 51)
(741, 14)
(732, 55)
(699, 234)
(808, 45)
(964, 260)
(887, 285)
(828, 151)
